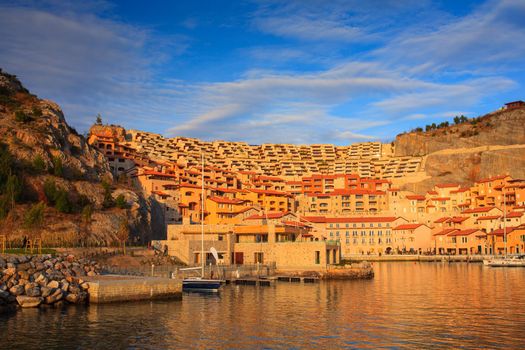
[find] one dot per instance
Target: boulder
(53, 284)
(73, 298)
(9, 271)
(33, 292)
(17, 290)
(46, 291)
(26, 301)
(54, 297)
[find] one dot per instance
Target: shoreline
(421, 258)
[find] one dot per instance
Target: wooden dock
(270, 281)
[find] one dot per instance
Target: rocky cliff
(47, 158)
(490, 145)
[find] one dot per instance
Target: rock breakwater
(33, 281)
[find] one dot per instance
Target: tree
(62, 203)
(99, 119)
(34, 217)
(121, 202)
(13, 189)
(22, 117)
(38, 164)
(85, 221)
(108, 201)
(123, 233)
(50, 191)
(58, 169)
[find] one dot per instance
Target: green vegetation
(460, 119)
(58, 169)
(38, 164)
(10, 183)
(34, 217)
(22, 251)
(121, 202)
(57, 196)
(108, 201)
(37, 112)
(22, 117)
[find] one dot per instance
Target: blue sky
(268, 71)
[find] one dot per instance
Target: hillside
(490, 145)
(53, 185)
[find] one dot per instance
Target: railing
(210, 271)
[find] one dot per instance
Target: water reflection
(407, 305)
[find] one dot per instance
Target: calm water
(407, 305)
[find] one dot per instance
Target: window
(337, 233)
(317, 257)
(347, 240)
(259, 257)
(371, 233)
(347, 233)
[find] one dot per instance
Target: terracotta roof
(407, 227)
(459, 190)
(432, 193)
(464, 232)
(271, 192)
(444, 232)
(314, 219)
(416, 197)
(295, 223)
(442, 220)
(489, 179)
(157, 173)
(362, 219)
(447, 185)
(514, 214)
(225, 200)
(274, 215)
(478, 210)
(160, 193)
(459, 219)
(501, 232)
(490, 217)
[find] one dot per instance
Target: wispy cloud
(316, 71)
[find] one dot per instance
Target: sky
(305, 71)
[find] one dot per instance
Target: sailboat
(512, 261)
(200, 284)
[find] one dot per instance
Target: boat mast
(202, 217)
(505, 220)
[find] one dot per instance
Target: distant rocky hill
(489, 145)
(54, 185)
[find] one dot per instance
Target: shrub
(38, 164)
(50, 190)
(108, 201)
(62, 203)
(37, 112)
(34, 217)
(22, 117)
(58, 168)
(121, 202)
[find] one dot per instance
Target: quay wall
(427, 258)
(112, 288)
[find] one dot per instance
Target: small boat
(514, 261)
(198, 284)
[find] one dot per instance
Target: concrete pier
(117, 288)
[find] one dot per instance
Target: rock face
(497, 128)
(464, 153)
(44, 279)
(36, 132)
